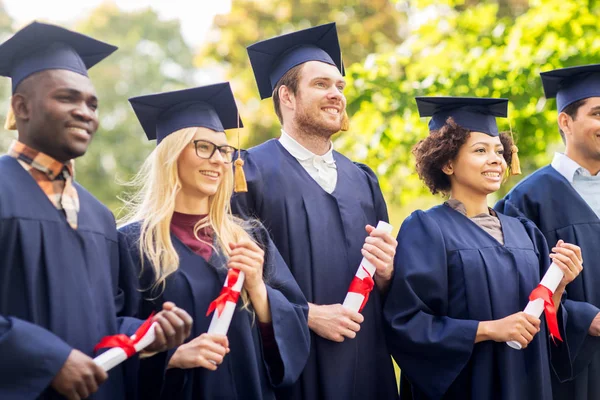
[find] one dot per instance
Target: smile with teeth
(492, 174)
(331, 110)
(79, 131)
(211, 174)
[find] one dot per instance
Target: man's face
(320, 100)
(62, 113)
(584, 133)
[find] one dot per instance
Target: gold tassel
(345, 122)
(239, 177)
(11, 122)
(515, 164)
(240, 184)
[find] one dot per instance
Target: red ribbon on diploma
(362, 286)
(227, 293)
(542, 292)
(125, 342)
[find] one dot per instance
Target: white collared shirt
(321, 168)
(568, 168)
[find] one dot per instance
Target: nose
(84, 113)
(217, 158)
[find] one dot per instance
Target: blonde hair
(153, 204)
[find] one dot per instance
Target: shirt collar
(39, 160)
(301, 153)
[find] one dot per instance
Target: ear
(287, 98)
(564, 123)
(21, 107)
(448, 169)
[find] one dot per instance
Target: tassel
(515, 164)
(345, 122)
(11, 122)
(240, 184)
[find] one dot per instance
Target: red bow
(362, 286)
(227, 293)
(125, 342)
(542, 292)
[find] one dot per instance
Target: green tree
(364, 27)
(474, 52)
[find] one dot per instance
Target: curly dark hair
(442, 146)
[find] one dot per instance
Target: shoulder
(535, 181)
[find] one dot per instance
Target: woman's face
(479, 166)
(202, 167)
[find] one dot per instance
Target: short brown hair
(289, 79)
(439, 148)
(571, 110)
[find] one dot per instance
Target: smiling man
(563, 200)
(62, 273)
(320, 209)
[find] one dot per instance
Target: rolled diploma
(115, 356)
(220, 324)
(551, 280)
(354, 300)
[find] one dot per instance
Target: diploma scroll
(362, 284)
(116, 355)
(224, 305)
(535, 307)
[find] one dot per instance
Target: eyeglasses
(206, 149)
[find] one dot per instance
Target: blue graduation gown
(451, 274)
(320, 236)
(59, 288)
(244, 374)
(551, 202)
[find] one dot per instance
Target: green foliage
(474, 52)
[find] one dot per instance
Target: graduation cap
(473, 113)
(476, 114)
(571, 84)
(211, 107)
(39, 47)
(272, 58)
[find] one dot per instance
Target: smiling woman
(183, 238)
(464, 272)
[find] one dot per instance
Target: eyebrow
(324, 78)
(487, 144)
(594, 109)
(75, 92)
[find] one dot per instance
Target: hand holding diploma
(566, 266)
(378, 261)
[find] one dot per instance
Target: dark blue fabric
(571, 84)
(244, 373)
(211, 107)
(320, 236)
(549, 200)
(59, 288)
(450, 274)
(39, 47)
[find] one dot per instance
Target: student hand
(519, 327)
(79, 377)
(206, 351)
(173, 327)
(249, 258)
(568, 258)
(334, 321)
(380, 249)
(595, 326)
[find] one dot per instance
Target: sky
(195, 15)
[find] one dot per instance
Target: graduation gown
(320, 236)
(244, 374)
(551, 202)
(60, 289)
(451, 274)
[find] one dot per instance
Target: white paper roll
(220, 323)
(115, 356)
(535, 308)
(353, 301)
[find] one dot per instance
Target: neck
(186, 203)
(318, 144)
(33, 145)
(475, 204)
(592, 165)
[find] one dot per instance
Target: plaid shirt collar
(40, 161)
